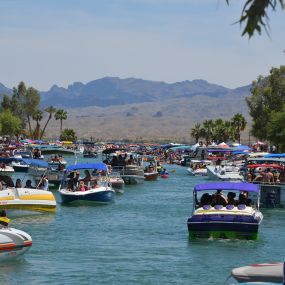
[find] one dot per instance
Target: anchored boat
(218, 217)
(94, 188)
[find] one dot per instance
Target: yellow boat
(27, 199)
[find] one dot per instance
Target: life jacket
(4, 221)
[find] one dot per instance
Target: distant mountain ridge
(112, 91)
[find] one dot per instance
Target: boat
(6, 169)
(20, 166)
(198, 167)
(256, 171)
(215, 217)
(224, 173)
(117, 182)
(263, 272)
(13, 243)
(90, 154)
(130, 165)
(150, 171)
(97, 190)
(26, 199)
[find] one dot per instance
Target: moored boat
(215, 216)
(93, 190)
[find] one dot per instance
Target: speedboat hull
(265, 272)
(27, 199)
(133, 179)
(13, 243)
(224, 225)
(93, 196)
(151, 176)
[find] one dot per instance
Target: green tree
(255, 16)
(239, 123)
(37, 116)
(49, 110)
(197, 132)
(10, 124)
(60, 115)
(267, 95)
(68, 135)
(208, 126)
(276, 132)
(30, 104)
(6, 103)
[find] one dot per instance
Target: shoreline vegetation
(21, 116)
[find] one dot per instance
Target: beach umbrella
(223, 145)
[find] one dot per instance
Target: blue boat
(94, 188)
(215, 216)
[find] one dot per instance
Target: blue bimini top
(238, 186)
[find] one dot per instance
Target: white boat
(224, 173)
(198, 167)
(13, 243)
(25, 199)
(6, 169)
(117, 182)
(20, 166)
(264, 272)
(74, 190)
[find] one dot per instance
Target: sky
(47, 42)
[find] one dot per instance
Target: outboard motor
(270, 200)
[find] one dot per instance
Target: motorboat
(269, 173)
(57, 162)
(27, 199)
(263, 272)
(13, 243)
(6, 169)
(20, 166)
(224, 173)
(130, 165)
(150, 171)
(117, 182)
(198, 167)
(215, 216)
(97, 190)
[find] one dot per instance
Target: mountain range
(114, 108)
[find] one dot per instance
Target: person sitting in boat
(87, 177)
(231, 198)
(18, 183)
(73, 182)
(82, 186)
(4, 221)
(1, 185)
(29, 184)
(3, 165)
(130, 160)
(206, 199)
(114, 161)
(219, 199)
(164, 171)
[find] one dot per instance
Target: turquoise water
(140, 239)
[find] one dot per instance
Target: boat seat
(241, 206)
(230, 207)
(218, 207)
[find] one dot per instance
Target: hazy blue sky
(46, 42)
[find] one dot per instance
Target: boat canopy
(271, 155)
(35, 162)
(238, 186)
(99, 166)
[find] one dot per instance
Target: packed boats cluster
(243, 180)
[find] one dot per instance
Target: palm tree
(49, 110)
(239, 124)
(60, 115)
(208, 126)
(196, 132)
(37, 116)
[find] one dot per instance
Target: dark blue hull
(228, 226)
(102, 197)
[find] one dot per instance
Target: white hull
(217, 173)
(13, 243)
